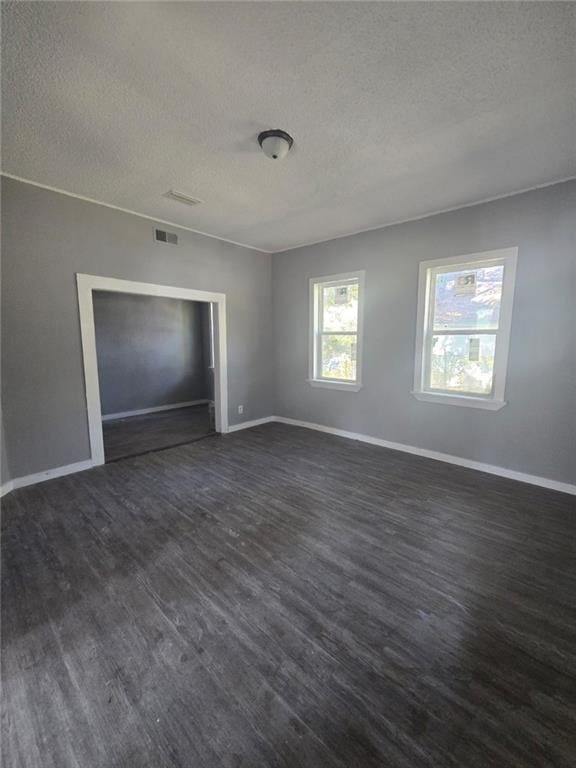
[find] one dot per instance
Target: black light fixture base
(277, 133)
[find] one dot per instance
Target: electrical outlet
(240, 409)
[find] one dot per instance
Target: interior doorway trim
(86, 284)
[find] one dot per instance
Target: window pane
(468, 298)
(340, 307)
(463, 363)
(338, 357)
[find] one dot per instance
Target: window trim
(313, 379)
(494, 401)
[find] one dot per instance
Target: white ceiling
(397, 109)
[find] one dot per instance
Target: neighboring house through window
(464, 318)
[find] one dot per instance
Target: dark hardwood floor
(281, 597)
(135, 435)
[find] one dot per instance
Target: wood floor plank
(280, 597)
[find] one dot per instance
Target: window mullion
(464, 332)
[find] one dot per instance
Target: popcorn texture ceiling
(397, 109)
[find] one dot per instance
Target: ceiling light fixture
(275, 144)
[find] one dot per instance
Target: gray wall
(150, 351)
(536, 431)
(46, 239)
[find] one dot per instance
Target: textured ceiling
(397, 109)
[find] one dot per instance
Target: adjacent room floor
(134, 435)
(282, 597)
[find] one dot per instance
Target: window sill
(349, 386)
(462, 400)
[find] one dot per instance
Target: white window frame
(316, 284)
(428, 270)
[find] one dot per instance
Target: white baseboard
(255, 423)
(511, 474)
(144, 411)
(49, 474)
(544, 482)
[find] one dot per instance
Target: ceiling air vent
(161, 236)
(182, 197)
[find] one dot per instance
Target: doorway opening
(154, 365)
(154, 370)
